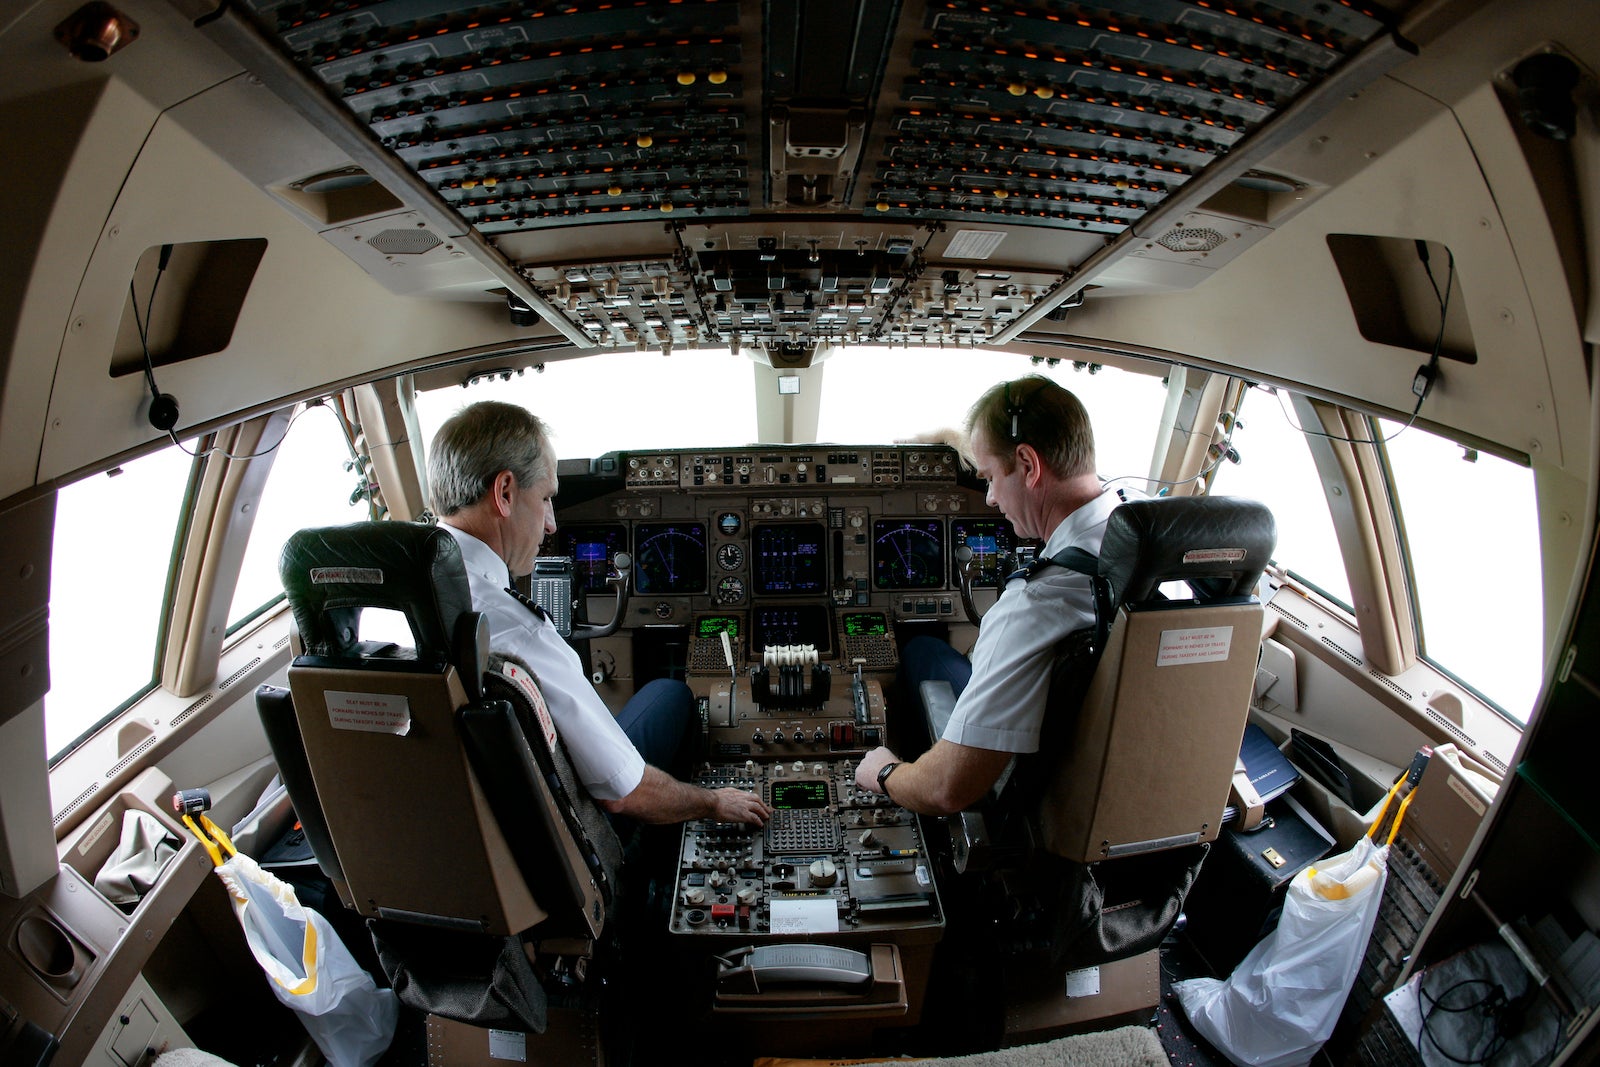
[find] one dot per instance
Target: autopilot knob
(823, 873)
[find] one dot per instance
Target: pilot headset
(1014, 410)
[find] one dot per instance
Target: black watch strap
(883, 778)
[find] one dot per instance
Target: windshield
(638, 401)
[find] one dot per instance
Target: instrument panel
(828, 547)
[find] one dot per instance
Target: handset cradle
(793, 964)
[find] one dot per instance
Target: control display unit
(866, 624)
(908, 554)
(800, 793)
(712, 625)
(670, 557)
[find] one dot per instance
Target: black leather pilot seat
(426, 784)
(1096, 838)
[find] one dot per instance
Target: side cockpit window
(1274, 466)
(312, 483)
(1471, 525)
(112, 553)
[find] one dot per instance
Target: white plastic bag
(310, 969)
(1282, 1001)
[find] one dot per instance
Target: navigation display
(802, 625)
(670, 557)
(789, 558)
(908, 554)
(989, 539)
(593, 549)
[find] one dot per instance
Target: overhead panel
(534, 114)
(1087, 116)
(885, 148)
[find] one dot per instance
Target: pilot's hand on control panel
(867, 770)
(738, 805)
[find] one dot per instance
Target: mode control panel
(833, 860)
(883, 468)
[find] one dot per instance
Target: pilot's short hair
(477, 443)
(1036, 411)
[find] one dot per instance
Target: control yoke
(584, 631)
(968, 563)
(965, 558)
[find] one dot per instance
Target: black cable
(1106, 483)
(1426, 372)
(1490, 1005)
(143, 328)
(214, 450)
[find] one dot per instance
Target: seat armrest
(1243, 797)
(938, 703)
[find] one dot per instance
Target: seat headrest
(1223, 542)
(331, 573)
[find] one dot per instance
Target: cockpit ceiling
(525, 116)
(829, 171)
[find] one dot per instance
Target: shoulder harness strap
(1087, 563)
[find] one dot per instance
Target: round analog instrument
(730, 590)
(730, 557)
(729, 524)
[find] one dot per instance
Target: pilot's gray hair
(477, 443)
(1036, 411)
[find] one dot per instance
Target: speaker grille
(1191, 239)
(403, 242)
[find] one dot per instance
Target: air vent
(397, 242)
(1297, 620)
(77, 801)
(122, 764)
(974, 244)
(178, 719)
(1386, 680)
(334, 181)
(1191, 239)
(1346, 653)
(1450, 727)
(236, 675)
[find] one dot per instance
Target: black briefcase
(1236, 900)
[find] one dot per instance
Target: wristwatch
(883, 778)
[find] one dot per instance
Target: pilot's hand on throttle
(737, 805)
(867, 770)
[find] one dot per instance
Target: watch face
(883, 775)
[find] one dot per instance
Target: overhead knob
(747, 895)
(868, 839)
